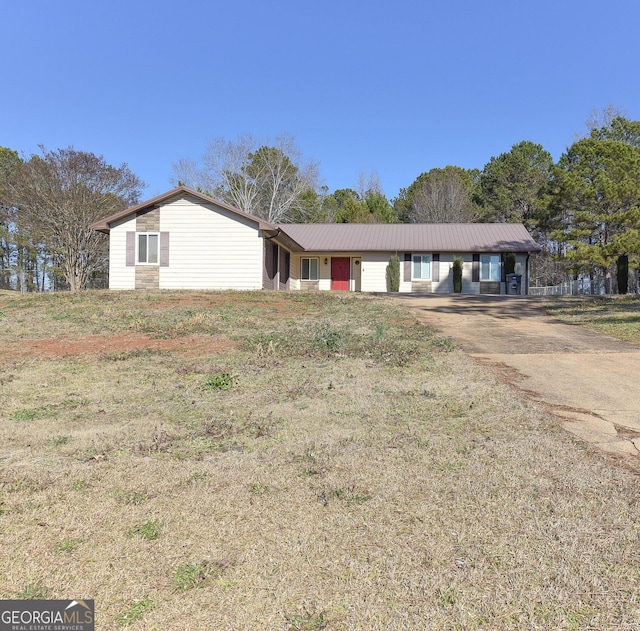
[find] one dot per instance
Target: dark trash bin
(514, 284)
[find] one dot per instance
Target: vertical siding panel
(475, 270)
(407, 267)
(270, 268)
(164, 249)
(284, 267)
(131, 249)
(435, 267)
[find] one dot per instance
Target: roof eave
(104, 225)
(282, 238)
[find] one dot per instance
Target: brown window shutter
(435, 267)
(131, 249)
(164, 249)
(407, 267)
(475, 270)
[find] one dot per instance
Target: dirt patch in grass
(116, 343)
(345, 470)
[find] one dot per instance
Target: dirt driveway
(587, 379)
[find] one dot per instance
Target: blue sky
(396, 88)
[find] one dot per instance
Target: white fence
(581, 287)
(569, 288)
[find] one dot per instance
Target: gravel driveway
(587, 379)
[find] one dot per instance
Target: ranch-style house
(183, 239)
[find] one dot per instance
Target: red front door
(340, 273)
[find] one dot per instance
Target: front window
(309, 269)
(490, 267)
(148, 247)
(422, 267)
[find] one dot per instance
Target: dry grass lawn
(618, 316)
(242, 461)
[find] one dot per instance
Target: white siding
(405, 285)
(324, 269)
(445, 285)
(325, 272)
(445, 268)
(468, 286)
(210, 248)
(371, 265)
(374, 272)
(120, 276)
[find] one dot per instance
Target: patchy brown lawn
(295, 462)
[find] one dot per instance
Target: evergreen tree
(596, 196)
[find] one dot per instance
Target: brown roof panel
(472, 237)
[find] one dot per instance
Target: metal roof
(471, 237)
(331, 237)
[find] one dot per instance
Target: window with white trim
(421, 267)
(490, 267)
(309, 269)
(148, 248)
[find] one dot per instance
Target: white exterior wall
(210, 248)
(445, 286)
(325, 273)
(445, 268)
(374, 272)
(324, 280)
(405, 285)
(120, 276)
(468, 286)
(521, 266)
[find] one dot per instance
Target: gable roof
(472, 237)
(104, 225)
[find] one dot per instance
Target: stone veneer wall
(421, 287)
(148, 276)
(489, 287)
(149, 221)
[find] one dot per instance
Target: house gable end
(104, 225)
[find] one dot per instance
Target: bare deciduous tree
(601, 118)
(60, 193)
(264, 179)
(442, 197)
(368, 183)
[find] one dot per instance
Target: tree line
(584, 209)
(46, 206)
